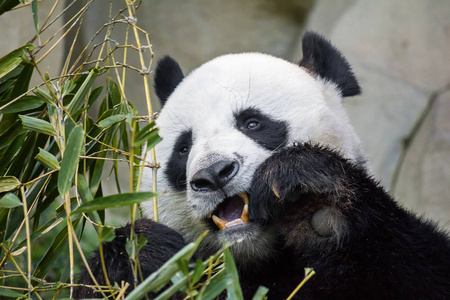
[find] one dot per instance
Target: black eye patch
(269, 133)
(176, 167)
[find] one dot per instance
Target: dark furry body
(162, 244)
(374, 249)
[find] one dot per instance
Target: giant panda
(260, 152)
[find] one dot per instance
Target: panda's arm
(162, 243)
(342, 223)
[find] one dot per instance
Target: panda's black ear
(325, 61)
(168, 75)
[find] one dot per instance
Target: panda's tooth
(219, 222)
(209, 215)
(244, 215)
(244, 197)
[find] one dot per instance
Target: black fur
(377, 250)
(162, 244)
(168, 75)
(176, 167)
(269, 133)
(324, 60)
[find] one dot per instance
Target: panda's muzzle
(232, 211)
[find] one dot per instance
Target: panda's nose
(215, 176)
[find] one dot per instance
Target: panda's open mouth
(231, 212)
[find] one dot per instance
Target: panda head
(227, 117)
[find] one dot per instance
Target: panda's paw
(293, 172)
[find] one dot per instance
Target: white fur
(205, 102)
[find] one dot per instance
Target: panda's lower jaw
(231, 212)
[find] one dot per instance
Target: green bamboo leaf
(111, 120)
(13, 59)
(9, 183)
(83, 189)
(9, 293)
(47, 159)
(53, 253)
(40, 232)
(34, 9)
(169, 292)
(118, 200)
(12, 131)
(217, 284)
(160, 278)
(142, 241)
(23, 80)
(261, 292)
(10, 200)
(78, 99)
(234, 291)
(11, 155)
(198, 271)
(38, 125)
(23, 104)
(151, 138)
(107, 234)
(94, 95)
(115, 97)
(45, 96)
(70, 160)
(68, 87)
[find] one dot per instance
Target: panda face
(218, 125)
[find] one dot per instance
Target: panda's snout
(214, 177)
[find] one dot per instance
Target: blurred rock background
(398, 49)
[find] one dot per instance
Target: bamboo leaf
(45, 96)
(53, 253)
(107, 234)
(160, 278)
(94, 95)
(260, 293)
(70, 159)
(8, 183)
(23, 104)
(34, 9)
(234, 289)
(118, 200)
(198, 271)
(83, 189)
(151, 138)
(10, 200)
(9, 293)
(13, 59)
(38, 125)
(111, 120)
(23, 80)
(47, 159)
(68, 87)
(13, 130)
(78, 99)
(217, 284)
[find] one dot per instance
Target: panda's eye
(183, 150)
(252, 124)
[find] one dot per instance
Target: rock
(424, 177)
